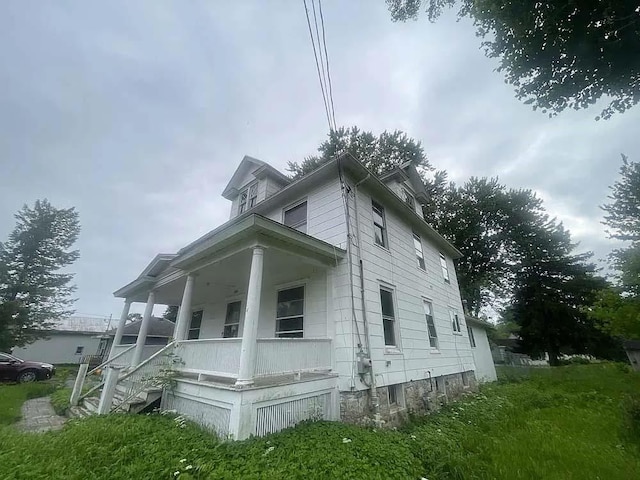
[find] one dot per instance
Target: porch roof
(240, 232)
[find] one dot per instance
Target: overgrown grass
(573, 422)
(12, 396)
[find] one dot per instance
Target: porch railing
(118, 359)
(147, 375)
(218, 357)
(277, 356)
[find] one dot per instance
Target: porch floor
(259, 382)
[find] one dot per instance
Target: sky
(137, 114)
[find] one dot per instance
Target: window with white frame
(472, 338)
(445, 267)
(194, 325)
(408, 198)
(417, 245)
(296, 217)
(248, 198)
(290, 313)
(388, 317)
(431, 327)
(455, 321)
(232, 320)
(379, 225)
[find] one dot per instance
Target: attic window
(408, 198)
(250, 196)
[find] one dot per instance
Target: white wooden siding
(325, 213)
(397, 267)
(315, 308)
(485, 368)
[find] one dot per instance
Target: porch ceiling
(229, 277)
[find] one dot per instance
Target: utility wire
(313, 44)
(322, 62)
(326, 57)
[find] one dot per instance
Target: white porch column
(123, 319)
(184, 313)
(144, 328)
(252, 313)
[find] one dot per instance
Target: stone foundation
(415, 397)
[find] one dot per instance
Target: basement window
(395, 396)
(79, 350)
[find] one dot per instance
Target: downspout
(375, 401)
(345, 202)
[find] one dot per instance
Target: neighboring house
(71, 340)
(326, 297)
(505, 352)
(477, 329)
(159, 332)
(632, 347)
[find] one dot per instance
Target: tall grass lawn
(574, 422)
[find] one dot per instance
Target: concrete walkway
(38, 416)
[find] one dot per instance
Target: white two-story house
(325, 297)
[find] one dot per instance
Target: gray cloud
(138, 113)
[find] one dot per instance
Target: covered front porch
(254, 320)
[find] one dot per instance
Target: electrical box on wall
(364, 363)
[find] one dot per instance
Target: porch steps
(89, 405)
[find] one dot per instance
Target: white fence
(291, 355)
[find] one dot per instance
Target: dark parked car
(15, 370)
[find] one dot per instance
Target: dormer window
(248, 196)
(408, 198)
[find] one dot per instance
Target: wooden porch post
(144, 328)
(252, 313)
(120, 330)
(184, 313)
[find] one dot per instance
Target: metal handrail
(101, 383)
(134, 391)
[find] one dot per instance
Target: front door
(232, 320)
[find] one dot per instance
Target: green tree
(132, 317)
(553, 290)
(378, 153)
(618, 308)
(171, 313)
(556, 54)
(488, 223)
(35, 291)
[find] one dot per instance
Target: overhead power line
(323, 74)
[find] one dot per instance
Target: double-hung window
(248, 198)
(232, 320)
(431, 326)
(472, 339)
(296, 217)
(379, 225)
(445, 268)
(194, 326)
(290, 313)
(455, 321)
(388, 317)
(417, 245)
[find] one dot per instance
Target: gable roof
(158, 327)
(478, 322)
(407, 172)
(258, 168)
(78, 324)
